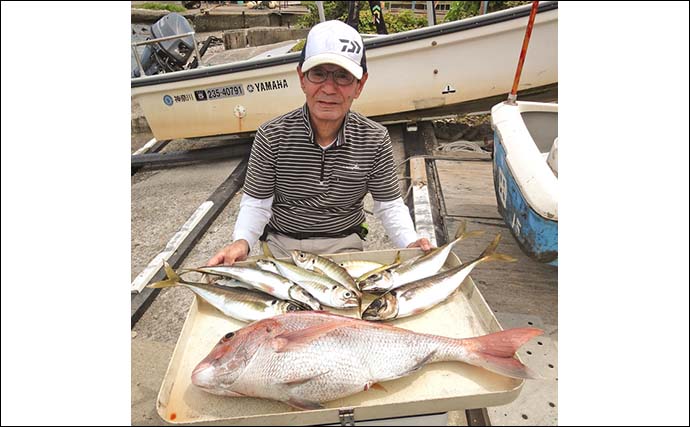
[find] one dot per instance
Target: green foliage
(299, 46)
(162, 6)
(467, 9)
(331, 9)
(395, 23)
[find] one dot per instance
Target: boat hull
(416, 71)
(526, 188)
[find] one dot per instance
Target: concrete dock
(524, 293)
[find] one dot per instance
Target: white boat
(526, 174)
(422, 72)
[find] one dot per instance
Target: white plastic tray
(438, 387)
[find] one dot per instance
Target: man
(310, 168)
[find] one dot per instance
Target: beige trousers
(281, 245)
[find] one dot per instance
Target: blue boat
(525, 168)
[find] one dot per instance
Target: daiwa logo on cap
(353, 43)
(334, 42)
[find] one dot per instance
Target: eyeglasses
(340, 77)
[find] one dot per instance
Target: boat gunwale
(520, 159)
(393, 39)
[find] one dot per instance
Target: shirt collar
(340, 140)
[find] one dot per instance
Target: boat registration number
(219, 92)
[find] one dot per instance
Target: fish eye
(229, 335)
(292, 308)
(347, 294)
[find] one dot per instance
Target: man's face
(329, 101)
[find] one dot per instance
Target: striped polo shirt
(317, 190)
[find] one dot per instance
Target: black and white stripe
(319, 191)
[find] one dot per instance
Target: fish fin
(462, 233)
(383, 267)
(170, 272)
(495, 352)
(507, 366)
(266, 249)
(474, 233)
(500, 257)
(290, 340)
(303, 404)
(503, 343)
(492, 247)
(163, 284)
(317, 270)
(303, 380)
(375, 386)
(172, 279)
(461, 229)
(490, 254)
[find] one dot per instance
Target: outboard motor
(168, 55)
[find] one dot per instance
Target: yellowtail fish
(320, 264)
(307, 358)
(264, 281)
(238, 303)
(419, 296)
(355, 268)
(380, 269)
(323, 288)
(427, 265)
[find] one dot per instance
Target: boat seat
(552, 157)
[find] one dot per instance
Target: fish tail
(495, 352)
(490, 253)
(461, 230)
(462, 233)
(266, 249)
(172, 278)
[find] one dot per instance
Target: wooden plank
(468, 188)
(421, 142)
(220, 198)
(524, 286)
(423, 218)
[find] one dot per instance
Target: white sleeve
(396, 221)
(253, 217)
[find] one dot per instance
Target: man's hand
(237, 251)
(422, 243)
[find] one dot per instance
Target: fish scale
(305, 358)
(339, 372)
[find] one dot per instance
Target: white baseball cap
(334, 42)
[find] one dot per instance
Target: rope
(467, 146)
